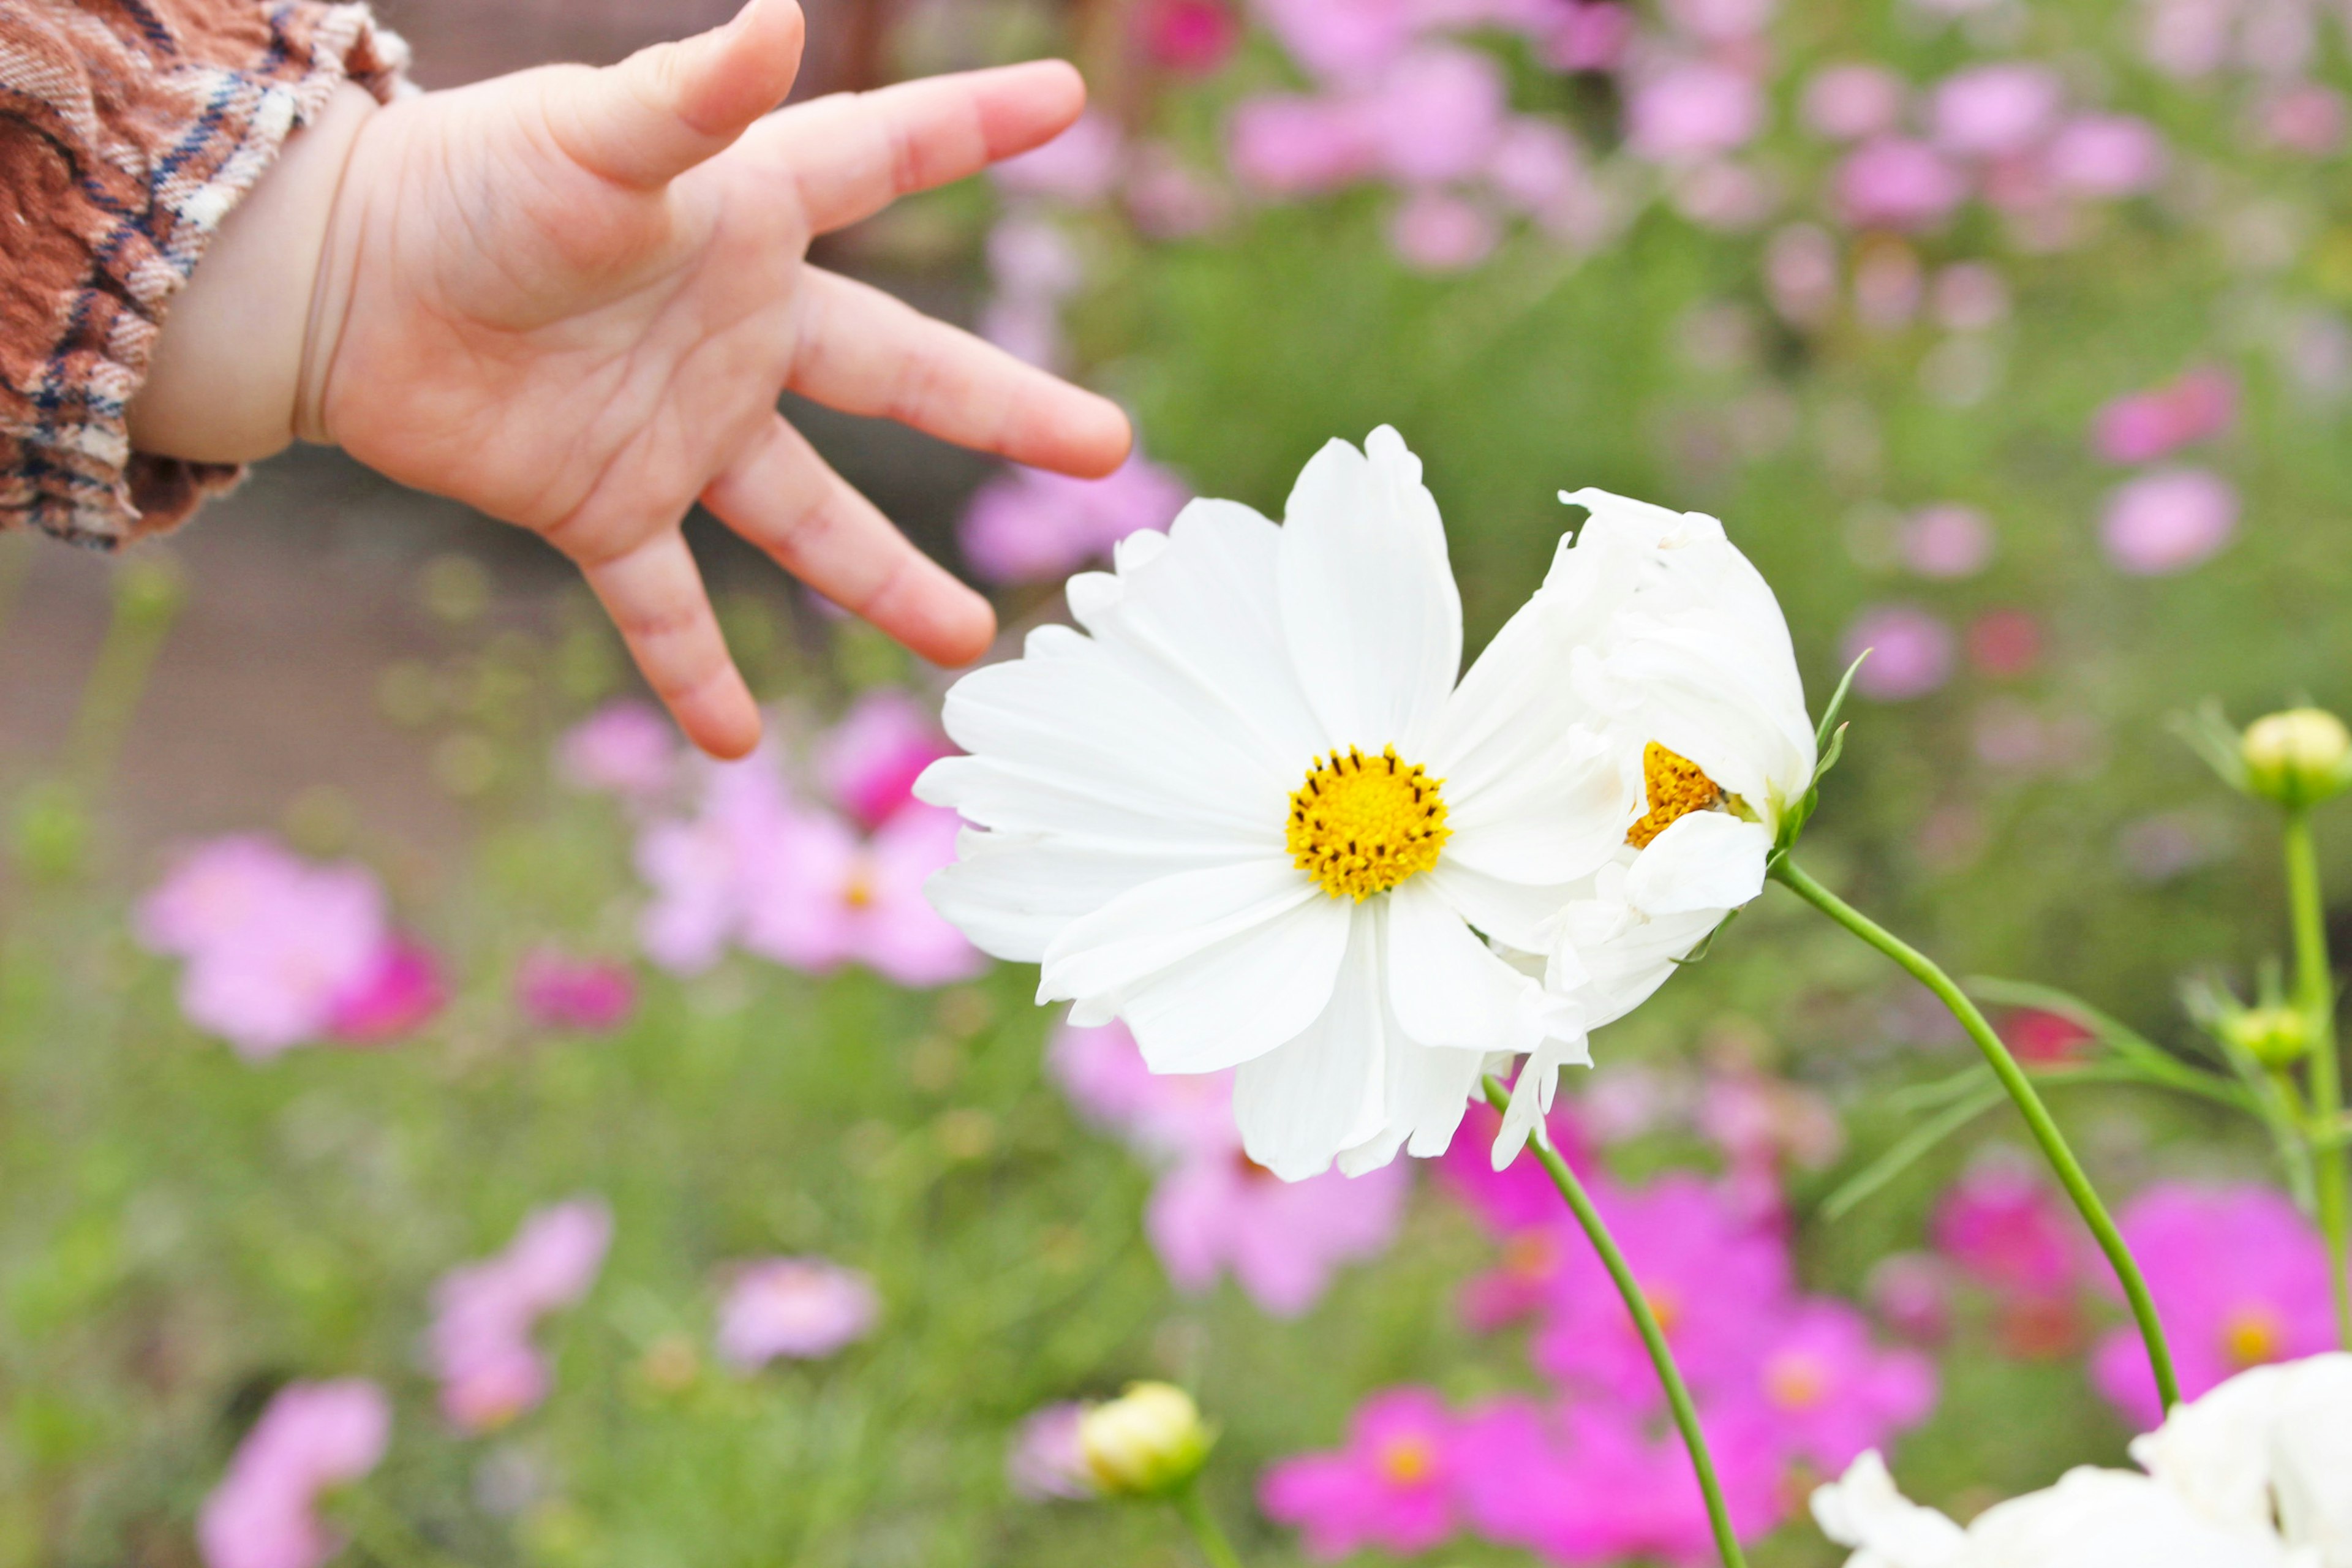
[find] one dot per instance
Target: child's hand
(570, 297)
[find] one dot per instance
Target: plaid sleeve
(128, 130)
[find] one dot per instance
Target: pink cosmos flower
(1894, 182)
(1043, 1461)
(1027, 525)
(1520, 1196)
(1283, 145)
(1849, 102)
(1435, 232)
(1391, 1487)
(1947, 541)
(2144, 426)
(2169, 521)
(1283, 1241)
(1824, 1392)
(1994, 111)
(1159, 1115)
(2046, 1039)
(2107, 156)
(803, 1308)
(1191, 36)
(1585, 36)
(2239, 1279)
(869, 761)
(2005, 1228)
(2005, 643)
(2304, 118)
(1691, 111)
(626, 748)
(1437, 114)
(479, 1345)
(1536, 168)
(697, 865)
(1345, 41)
(822, 897)
(312, 1437)
(1911, 652)
(401, 991)
(1079, 166)
(582, 995)
(1713, 1281)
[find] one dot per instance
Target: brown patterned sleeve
(128, 130)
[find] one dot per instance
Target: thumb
(666, 109)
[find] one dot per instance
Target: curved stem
(1654, 1339)
(2021, 1089)
(1197, 1518)
(2315, 986)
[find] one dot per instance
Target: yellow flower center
(1666, 1306)
(1796, 1381)
(1677, 788)
(2252, 1336)
(1530, 1255)
(1404, 1460)
(1361, 825)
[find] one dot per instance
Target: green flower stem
(2021, 1089)
(2315, 984)
(1186, 1500)
(1654, 1339)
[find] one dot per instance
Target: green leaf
(1909, 1150)
(1829, 723)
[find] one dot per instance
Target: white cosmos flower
(2273, 1443)
(1248, 811)
(1682, 666)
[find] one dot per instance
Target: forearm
(226, 377)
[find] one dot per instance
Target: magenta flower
(1537, 169)
(1341, 40)
(869, 761)
(626, 748)
(2144, 426)
(479, 1345)
(1079, 166)
(1026, 525)
(1692, 111)
(1850, 102)
(401, 991)
(1216, 1211)
(802, 1307)
(1824, 1392)
(1159, 1115)
(822, 897)
(2239, 1279)
(1285, 146)
(1043, 1460)
(1911, 652)
(2107, 156)
(1519, 1197)
(1437, 115)
(1947, 541)
(312, 1437)
(1715, 1282)
(698, 866)
(2005, 1228)
(1995, 111)
(1391, 1487)
(2169, 521)
(1435, 232)
(578, 995)
(1894, 182)
(1585, 36)
(1191, 36)
(2304, 118)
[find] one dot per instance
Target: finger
(852, 154)
(863, 351)
(666, 109)
(655, 597)
(783, 498)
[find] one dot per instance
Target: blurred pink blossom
(1043, 1460)
(1583, 36)
(1437, 113)
(1537, 169)
(1191, 36)
(1170, 199)
(1947, 541)
(1079, 166)
(1391, 1486)
(627, 748)
(2107, 156)
(1824, 1392)
(1345, 41)
(311, 1438)
(1911, 1292)
(1993, 111)
(1800, 273)
(2004, 1228)
(1692, 110)
(804, 1308)
(1895, 183)
(2144, 426)
(2304, 118)
(479, 1345)
(1519, 1197)
(1722, 194)
(583, 995)
(822, 897)
(868, 761)
(2169, 521)
(1159, 1115)
(2189, 37)
(1029, 258)
(699, 866)
(400, 991)
(1911, 652)
(1435, 232)
(2239, 1279)
(2005, 643)
(1027, 525)
(1286, 145)
(1849, 102)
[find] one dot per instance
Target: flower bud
(2299, 757)
(1148, 1442)
(2275, 1036)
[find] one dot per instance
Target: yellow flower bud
(2299, 757)
(1148, 1442)
(2275, 1036)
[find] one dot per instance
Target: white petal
(1012, 893)
(1531, 1096)
(1611, 957)
(1863, 1510)
(1429, 1087)
(1514, 914)
(992, 792)
(1327, 1090)
(1707, 861)
(2311, 1453)
(1207, 967)
(1449, 989)
(1369, 605)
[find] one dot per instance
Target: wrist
(224, 383)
